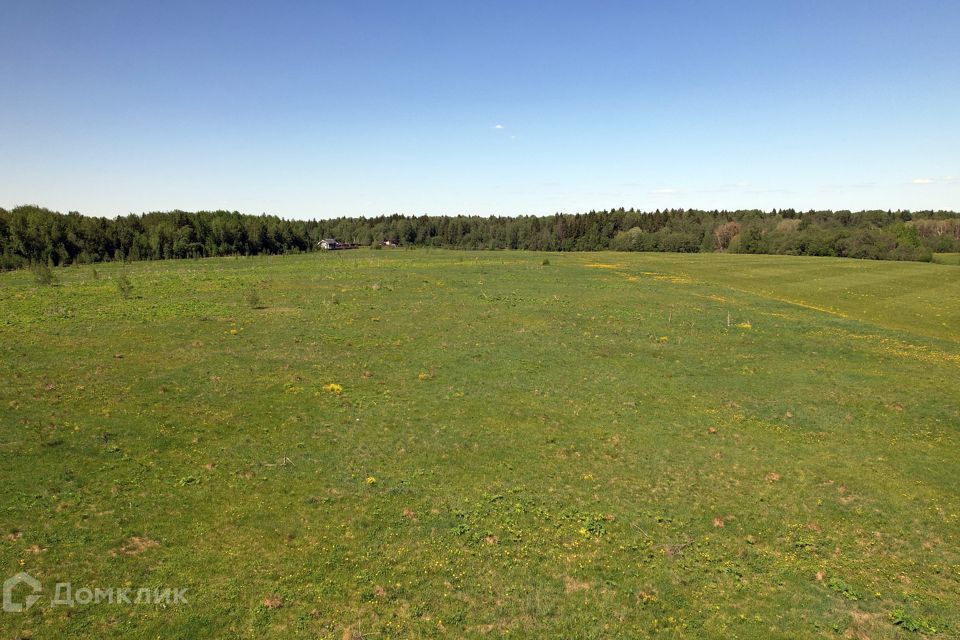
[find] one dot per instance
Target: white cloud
(951, 179)
(923, 181)
(499, 126)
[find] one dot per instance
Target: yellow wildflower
(334, 387)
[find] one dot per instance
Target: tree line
(31, 235)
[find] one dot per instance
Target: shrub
(633, 239)
(124, 286)
(43, 274)
(723, 234)
(910, 252)
(748, 240)
(252, 298)
(869, 244)
(680, 243)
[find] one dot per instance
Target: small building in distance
(331, 244)
(389, 244)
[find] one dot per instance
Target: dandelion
(233, 332)
(663, 339)
(423, 376)
(333, 387)
(745, 325)
(371, 480)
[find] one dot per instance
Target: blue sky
(320, 109)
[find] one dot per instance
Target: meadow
(426, 443)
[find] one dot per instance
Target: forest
(32, 235)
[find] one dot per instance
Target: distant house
(332, 244)
(390, 244)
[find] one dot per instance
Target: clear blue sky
(318, 109)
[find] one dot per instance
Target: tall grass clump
(124, 286)
(43, 274)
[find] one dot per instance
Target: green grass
(947, 258)
(530, 445)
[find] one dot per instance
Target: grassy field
(449, 444)
(946, 258)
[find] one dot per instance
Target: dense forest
(31, 235)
